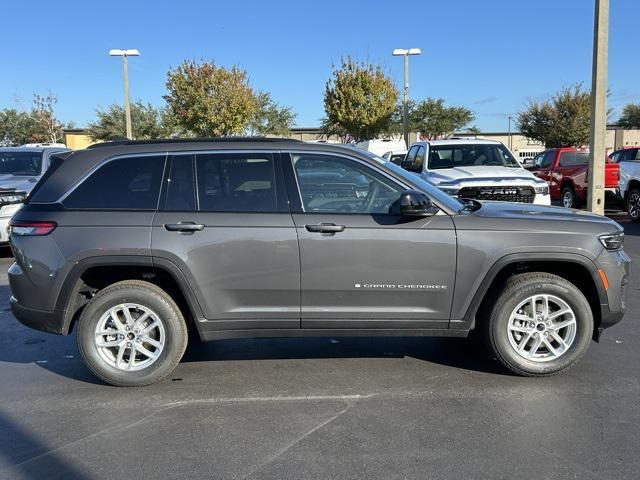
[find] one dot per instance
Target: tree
(49, 128)
(147, 122)
(270, 118)
(433, 119)
(359, 99)
(16, 127)
(209, 100)
(561, 121)
(630, 117)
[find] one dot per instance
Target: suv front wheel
(132, 333)
(540, 324)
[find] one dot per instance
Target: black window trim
(293, 186)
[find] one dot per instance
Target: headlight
(612, 241)
(542, 190)
(12, 198)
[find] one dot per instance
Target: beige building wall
(77, 139)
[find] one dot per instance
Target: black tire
(568, 197)
(517, 289)
(147, 295)
(632, 204)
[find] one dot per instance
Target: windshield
(432, 191)
(21, 163)
(473, 155)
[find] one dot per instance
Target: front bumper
(6, 212)
(616, 266)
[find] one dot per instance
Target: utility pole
(125, 76)
(595, 195)
(405, 99)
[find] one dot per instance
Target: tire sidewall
(174, 328)
(631, 193)
(574, 199)
(511, 299)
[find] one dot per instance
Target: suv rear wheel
(132, 334)
(540, 324)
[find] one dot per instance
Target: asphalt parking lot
(379, 408)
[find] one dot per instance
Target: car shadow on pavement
(463, 353)
(24, 454)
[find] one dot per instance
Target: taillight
(25, 229)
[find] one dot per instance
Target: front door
(361, 266)
(224, 221)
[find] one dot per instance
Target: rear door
(224, 222)
(572, 166)
(362, 267)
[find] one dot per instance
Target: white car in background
(20, 170)
(476, 169)
(395, 156)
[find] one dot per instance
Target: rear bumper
(50, 322)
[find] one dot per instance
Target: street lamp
(132, 52)
(405, 101)
(509, 133)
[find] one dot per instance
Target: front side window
(473, 155)
(127, 183)
(330, 184)
(21, 163)
(236, 182)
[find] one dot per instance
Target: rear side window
(573, 159)
(128, 183)
(236, 182)
(181, 191)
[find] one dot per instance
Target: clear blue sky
(490, 56)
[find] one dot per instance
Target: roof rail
(116, 143)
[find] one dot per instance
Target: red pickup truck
(565, 171)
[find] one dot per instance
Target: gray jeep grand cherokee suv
(133, 242)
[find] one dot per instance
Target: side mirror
(412, 204)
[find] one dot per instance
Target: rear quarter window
(573, 159)
(127, 183)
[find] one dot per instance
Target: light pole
(595, 193)
(509, 133)
(125, 73)
(405, 100)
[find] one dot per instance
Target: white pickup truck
(629, 183)
(477, 169)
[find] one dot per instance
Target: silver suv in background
(20, 170)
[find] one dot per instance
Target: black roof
(117, 143)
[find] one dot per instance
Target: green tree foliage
(433, 119)
(359, 99)
(39, 124)
(270, 118)
(630, 117)
(17, 127)
(209, 100)
(147, 122)
(561, 121)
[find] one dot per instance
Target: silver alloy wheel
(633, 205)
(567, 199)
(542, 328)
(129, 337)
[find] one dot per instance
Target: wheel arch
(577, 269)
(94, 273)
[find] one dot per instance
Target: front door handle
(183, 227)
(325, 228)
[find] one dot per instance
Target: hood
(481, 175)
(512, 212)
(19, 184)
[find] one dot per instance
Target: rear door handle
(325, 228)
(184, 227)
